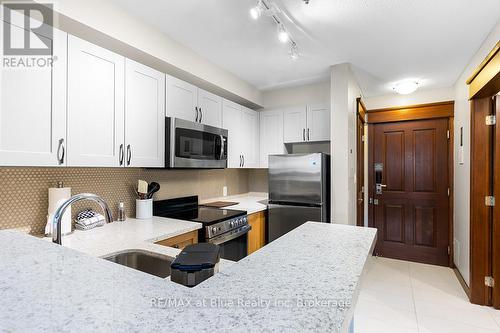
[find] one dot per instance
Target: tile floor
(406, 297)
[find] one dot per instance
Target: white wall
(115, 22)
(344, 92)
(317, 93)
(462, 172)
(418, 97)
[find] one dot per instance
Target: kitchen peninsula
(307, 280)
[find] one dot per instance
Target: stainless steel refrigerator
(299, 191)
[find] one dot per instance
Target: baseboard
(461, 280)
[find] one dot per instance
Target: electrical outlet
(224, 191)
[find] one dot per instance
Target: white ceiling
(384, 40)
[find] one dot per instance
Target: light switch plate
(224, 191)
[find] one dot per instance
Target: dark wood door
(496, 209)
(360, 178)
(411, 214)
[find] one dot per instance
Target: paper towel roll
(57, 195)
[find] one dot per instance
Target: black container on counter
(195, 264)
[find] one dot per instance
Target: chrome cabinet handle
(121, 154)
(129, 154)
(60, 152)
(196, 109)
(201, 114)
(243, 160)
(308, 138)
(304, 134)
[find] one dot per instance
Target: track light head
(283, 35)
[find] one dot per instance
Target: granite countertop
(307, 280)
(129, 234)
(252, 202)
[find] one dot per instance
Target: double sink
(147, 262)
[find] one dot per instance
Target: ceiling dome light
(283, 35)
(405, 87)
(294, 52)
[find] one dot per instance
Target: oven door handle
(226, 238)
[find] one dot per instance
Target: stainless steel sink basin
(147, 262)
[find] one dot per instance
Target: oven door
(194, 145)
(233, 244)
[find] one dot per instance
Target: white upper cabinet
(250, 134)
(33, 108)
(95, 105)
(294, 124)
(188, 102)
(182, 99)
(210, 108)
(144, 116)
(306, 124)
(271, 135)
(318, 123)
(231, 120)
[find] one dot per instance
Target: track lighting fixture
(270, 9)
(283, 35)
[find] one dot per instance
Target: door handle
(243, 156)
(308, 138)
(196, 109)
(129, 154)
(201, 114)
(303, 134)
(60, 152)
(221, 147)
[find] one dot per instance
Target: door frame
(408, 113)
(484, 83)
(360, 158)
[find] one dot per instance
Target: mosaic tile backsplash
(24, 191)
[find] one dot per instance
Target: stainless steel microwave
(194, 145)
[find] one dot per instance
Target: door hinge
(449, 250)
(448, 191)
(491, 120)
(489, 201)
(362, 138)
(448, 134)
(489, 281)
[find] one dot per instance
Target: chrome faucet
(56, 221)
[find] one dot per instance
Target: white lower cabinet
(144, 116)
(33, 108)
(95, 105)
(271, 135)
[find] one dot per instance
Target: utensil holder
(143, 208)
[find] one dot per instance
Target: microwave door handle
(221, 147)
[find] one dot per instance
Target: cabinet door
(33, 107)
(144, 116)
(210, 107)
(294, 122)
(318, 123)
(250, 137)
(182, 100)
(271, 135)
(95, 105)
(231, 120)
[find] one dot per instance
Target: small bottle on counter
(121, 212)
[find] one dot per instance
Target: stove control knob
(214, 230)
(231, 224)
